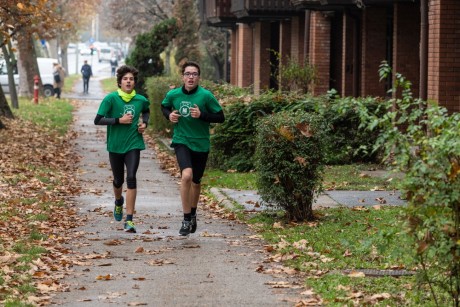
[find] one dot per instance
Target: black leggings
(187, 158)
(118, 161)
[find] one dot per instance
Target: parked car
(45, 66)
(85, 51)
(105, 54)
(4, 77)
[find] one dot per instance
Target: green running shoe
(129, 227)
(118, 210)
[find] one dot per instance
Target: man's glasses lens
(191, 74)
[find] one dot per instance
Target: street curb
(222, 198)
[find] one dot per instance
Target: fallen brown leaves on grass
(37, 183)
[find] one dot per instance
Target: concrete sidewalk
(252, 201)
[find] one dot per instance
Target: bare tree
(137, 16)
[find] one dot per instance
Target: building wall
(297, 38)
(373, 51)
(261, 56)
(285, 40)
(320, 50)
(234, 56)
(350, 56)
(335, 80)
(355, 71)
(244, 56)
(406, 36)
(444, 53)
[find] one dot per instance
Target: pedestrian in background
(113, 65)
(58, 79)
(126, 115)
(191, 108)
(86, 73)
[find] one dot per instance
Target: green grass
(109, 84)
(17, 303)
(69, 82)
(52, 114)
(341, 239)
(337, 177)
(345, 239)
(221, 179)
(357, 177)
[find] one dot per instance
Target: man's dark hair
(123, 70)
(191, 63)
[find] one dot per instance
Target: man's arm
(213, 117)
(146, 116)
(166, 111)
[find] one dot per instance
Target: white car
(85, 51)
(105, 54)
(45, 66)
(4, 77)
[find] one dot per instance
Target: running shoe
(186, 228)
(129, 226)
(193, 221)
(118, 210)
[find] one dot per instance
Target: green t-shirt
(122, 138)
(189, 131)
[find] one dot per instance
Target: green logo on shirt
(184, 108)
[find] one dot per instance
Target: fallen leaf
(356, 274)
(304, 129)
(160, 262)
(104, 277)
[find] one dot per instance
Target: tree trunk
(4, 107)
(63, 57)
(10, 62)
(28, 67)
(168, 60)
(52, 50)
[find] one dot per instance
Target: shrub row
(233, 141)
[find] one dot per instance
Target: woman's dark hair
(191, 63)
(123, 70)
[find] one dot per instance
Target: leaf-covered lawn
(37, 181)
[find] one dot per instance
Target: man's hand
(195, 111)
(141, 127)
(174, 116)
(126, 119)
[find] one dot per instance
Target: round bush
(289, 161)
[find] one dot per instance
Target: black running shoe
(193, 221)
(186, 228)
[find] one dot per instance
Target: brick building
(346, 40)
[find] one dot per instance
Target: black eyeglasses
(191, 74)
